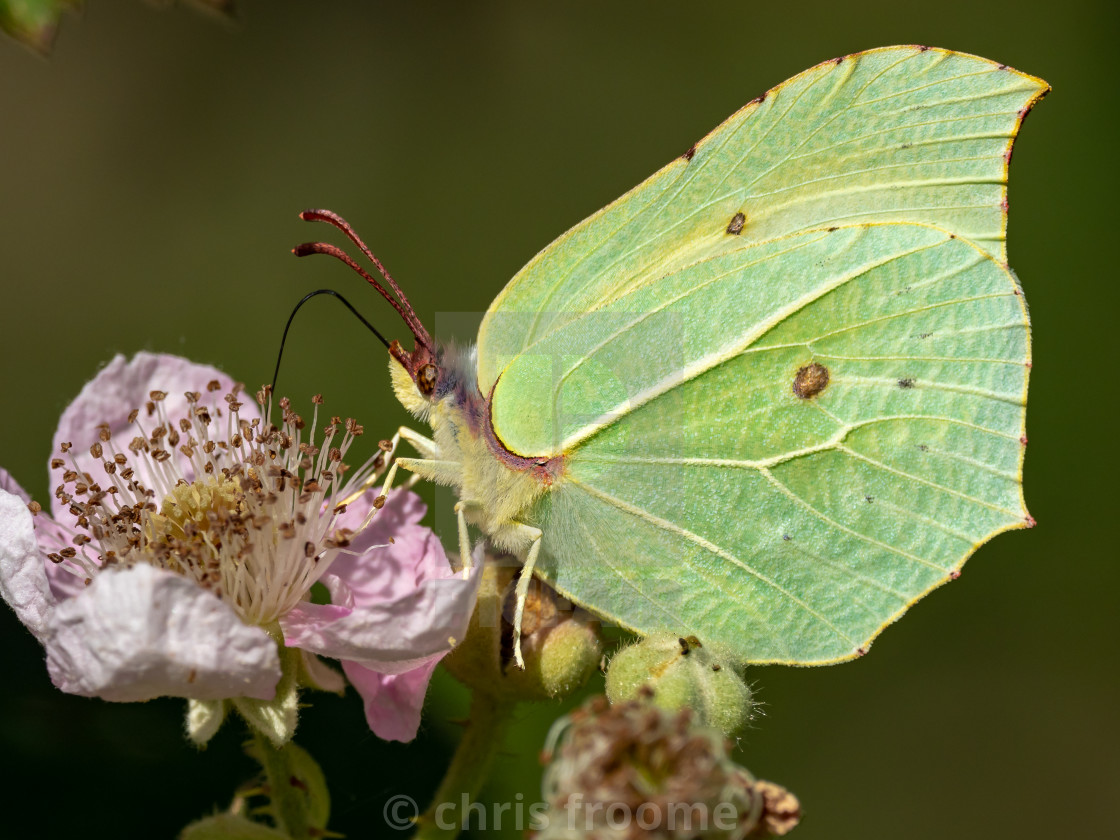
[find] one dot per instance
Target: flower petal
(10, 485)
(392, 702)
(377, 570)
(392, 636)
(52, 538)
(142, 632)
(123, 385)
(23, 578)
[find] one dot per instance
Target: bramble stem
(469, 769)
(288, 806)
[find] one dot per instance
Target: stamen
(252, 515)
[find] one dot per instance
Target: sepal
(317, 674)
(230, 827)
(276, 718)
(204, 719)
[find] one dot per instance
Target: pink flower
(178, 551)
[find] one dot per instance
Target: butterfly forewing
(897, 134)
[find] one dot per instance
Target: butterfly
(774, 394)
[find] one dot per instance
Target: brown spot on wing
(810, 380)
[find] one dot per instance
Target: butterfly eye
(426, 378)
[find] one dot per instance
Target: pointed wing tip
(1041, 86)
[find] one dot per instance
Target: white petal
(23, 578)
(393, 636)
(9, 484)
(119, 387)
(143, 632)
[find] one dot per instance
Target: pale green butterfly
(774, 394)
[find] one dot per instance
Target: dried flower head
(633, 770)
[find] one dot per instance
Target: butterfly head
(416, 376)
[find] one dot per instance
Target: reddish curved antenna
(400, 303)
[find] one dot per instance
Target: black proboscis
(304, 300)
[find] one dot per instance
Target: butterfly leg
(522, 591)
(424, 445)
(465, 553)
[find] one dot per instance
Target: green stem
(469, 769)
(288, 805)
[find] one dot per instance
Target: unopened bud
(560, 645)
(683, 674)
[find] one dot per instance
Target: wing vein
(927, 482)
(844, 528)
(712, 548)
(712, 360)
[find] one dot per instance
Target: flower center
(249, 513)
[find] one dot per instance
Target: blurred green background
(150, 176)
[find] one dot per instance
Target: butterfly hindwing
(830, 448)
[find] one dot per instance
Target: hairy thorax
(499, 488)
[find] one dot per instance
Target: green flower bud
(560, 645)
(683, 674)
